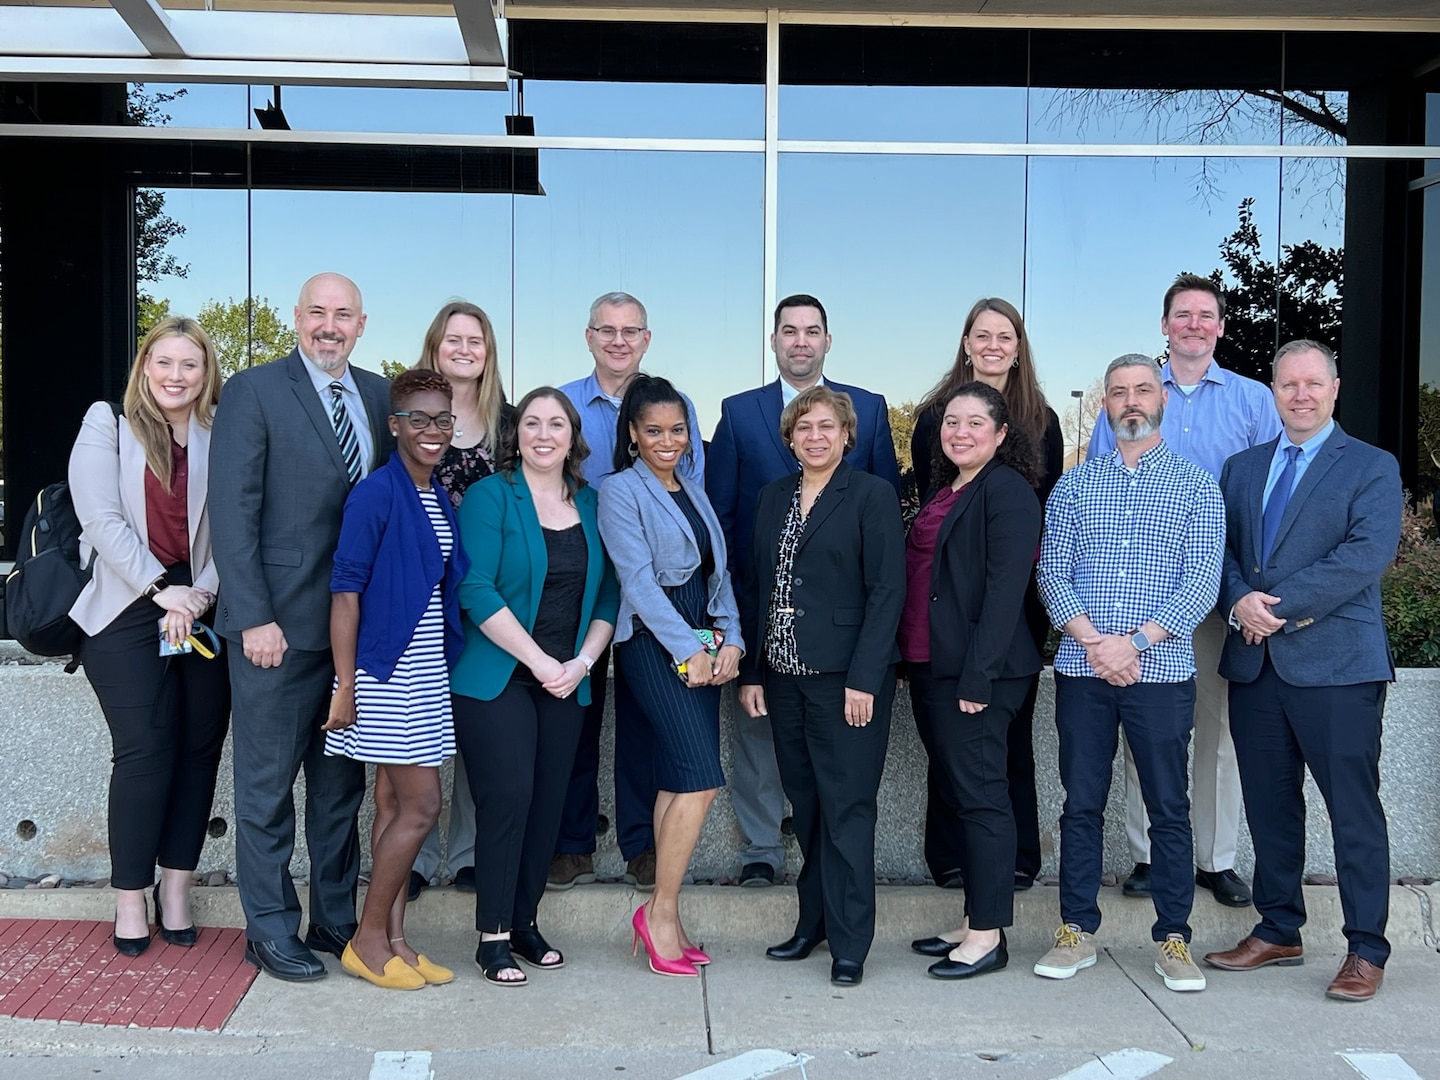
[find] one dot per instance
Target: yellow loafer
(433, 974)
(398, 975)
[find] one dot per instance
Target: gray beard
(1139, 433)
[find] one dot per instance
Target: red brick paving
(65, 969)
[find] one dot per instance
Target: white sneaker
(1073, 949)
(1174, 965)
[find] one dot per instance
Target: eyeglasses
(419, 421)
(607, 333)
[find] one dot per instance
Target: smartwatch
(156, 586)
(1140, 641)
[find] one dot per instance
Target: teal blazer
(502, 535)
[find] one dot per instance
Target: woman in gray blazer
(669, 553)
(139, 485)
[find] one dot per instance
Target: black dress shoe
(1138, 883)
(757, 875)
(993, 960)
(932, 946)
(285, 958)
(418, 881)
(465, 879)
(797, 948)
(951, 879)
(331, 939)
(1226, 885)
(184, 938)
(130, 946)
(1024, 881)
(846, 972)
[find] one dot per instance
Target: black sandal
(531, 947)
(492, 958)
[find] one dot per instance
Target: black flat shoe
(531, 947)
(797, 948)
(932, 946)
(493, 957)
(465, 879)
(285, 958)
(418, 883)
(1024, 881)
(184, 938)
(993, 960)
(331, 939)
(846, 972)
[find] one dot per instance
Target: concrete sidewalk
(605, 1012)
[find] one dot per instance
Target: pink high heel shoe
(681, 967)
(698, 957)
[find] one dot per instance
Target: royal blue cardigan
(389, 555)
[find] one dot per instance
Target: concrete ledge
(55, 760)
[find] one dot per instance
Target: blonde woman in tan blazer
(139, 485)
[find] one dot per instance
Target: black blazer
(848, 579)
(984, 559)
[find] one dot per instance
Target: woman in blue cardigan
(540, 602)
(394, 625)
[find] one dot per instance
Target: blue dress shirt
(1224, 414)
(599, 413)
(1308, 451)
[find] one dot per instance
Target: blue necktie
(1279, 499)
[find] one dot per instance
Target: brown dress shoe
(1357, 980)
(1253, 953)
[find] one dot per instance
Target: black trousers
(968, 752)
(1279, 729)
(276, 733)
(831, 775)
(167, 718)
(519, 749)
(635, 786)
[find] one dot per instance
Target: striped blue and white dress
(407, 721)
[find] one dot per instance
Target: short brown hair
(820, 394)
(1193, 283)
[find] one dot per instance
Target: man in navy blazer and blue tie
(746, 453)
(1313, 520)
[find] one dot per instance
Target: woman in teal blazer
(539, 602)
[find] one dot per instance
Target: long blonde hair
(491, 392)
(147, 422)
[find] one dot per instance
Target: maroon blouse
(167, 515)
(914, 633)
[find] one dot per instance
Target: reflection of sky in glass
(897, 247)
(1066, 115)
(1430, 276)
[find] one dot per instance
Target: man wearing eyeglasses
(746, 454)
(290, 440)
(617, 336)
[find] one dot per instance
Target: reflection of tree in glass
(1267, 304)
(1080, 420)
(1427, 460)
(1221, 118)
(154, 229)
(245, 337)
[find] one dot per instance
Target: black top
(702, 533)
(557, 616)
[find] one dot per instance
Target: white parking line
(1381, 1066)
(1128, 1064)
(750, 1065)
(402, 1065)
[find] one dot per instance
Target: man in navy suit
(745, 454)
(1313, 520)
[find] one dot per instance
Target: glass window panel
(1432, 130)
(647, 110)
(1430, 296)
(903, 113)
(898, 248)
(370, 108)
(1312, 239)
(408, 253)
(201, 105)
(683, 232)
(1167, 116)
(1106, 239)
(212, 252)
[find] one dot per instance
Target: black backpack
(48, 577)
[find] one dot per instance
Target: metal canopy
(461, 45)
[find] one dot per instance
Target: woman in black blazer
(995, 349)
(822, 600)
(971, 655)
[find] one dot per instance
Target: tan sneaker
(1073, 949)
(1173, 963)
(568, 869)
(640, 871)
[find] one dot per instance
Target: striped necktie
(345, 432)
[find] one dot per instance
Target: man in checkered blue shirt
(1129, 565)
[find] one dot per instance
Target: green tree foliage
(245, 334)
(391, 368)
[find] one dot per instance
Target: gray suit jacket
(277, 492)
(107, 486)
(1339, 533)
(649, 540)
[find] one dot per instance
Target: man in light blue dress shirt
(617, 335)
(1212, 414)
